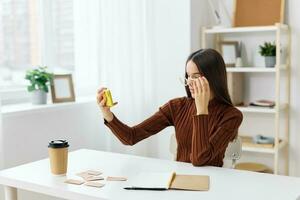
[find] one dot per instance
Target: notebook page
(159, 180)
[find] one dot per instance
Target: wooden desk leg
(10, 193)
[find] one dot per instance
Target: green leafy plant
(268, 49)
(39, 79)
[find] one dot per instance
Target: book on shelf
(247, 141)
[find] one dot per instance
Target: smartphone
(109, 100)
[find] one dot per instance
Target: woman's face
(193, 73)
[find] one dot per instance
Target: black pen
(138, 188)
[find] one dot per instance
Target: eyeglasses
(192, 77)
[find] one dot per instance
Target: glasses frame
(185, 80)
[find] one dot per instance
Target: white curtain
(126, 62)
(86, 45)
(1, 140)
(113, 40)
(132, 67)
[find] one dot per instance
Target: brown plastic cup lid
(58, 144)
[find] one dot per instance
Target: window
(64, 34)
(19, 48)
(34, 33)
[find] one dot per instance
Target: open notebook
(168, 180)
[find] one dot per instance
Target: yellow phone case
(109, 100)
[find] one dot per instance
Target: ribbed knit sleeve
(201, 139)
(209, 142)
(131, 135)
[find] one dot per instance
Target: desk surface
(224, 183)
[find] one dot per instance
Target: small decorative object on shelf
(228, 50)
(39, 80)
(239, 61)
(248, 141)
(258, 12)
(260, 139)
(263, 103)
(252, 166)
(220, 13)
(268, 50)
(62, 89)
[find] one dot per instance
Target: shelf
(256, 109)
(244, 29)
(254, 69)
(213, 36)
(257, 148)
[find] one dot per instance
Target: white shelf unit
(277, 111)
(247, 29)
(255, 109)
(255, 69)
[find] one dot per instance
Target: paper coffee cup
(58, 156)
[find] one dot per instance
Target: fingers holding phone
(105, 102)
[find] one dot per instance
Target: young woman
(205, 121)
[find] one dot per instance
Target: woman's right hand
(101, 101)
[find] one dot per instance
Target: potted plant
(268, 50)
(39, 80)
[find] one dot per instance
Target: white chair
(173, 146)
(233, 151)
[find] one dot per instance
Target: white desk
(225, 183)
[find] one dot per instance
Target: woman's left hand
(201, 95)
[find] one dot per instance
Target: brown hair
(211, 64)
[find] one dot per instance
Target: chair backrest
(233, 151)
(173, 145)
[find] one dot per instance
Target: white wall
(177, 34)
(172, 46)
(26, 134)
(200, 16)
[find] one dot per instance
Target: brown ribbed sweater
(201, 139)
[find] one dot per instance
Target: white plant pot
(39, 97)
(270, 61)
(239, 62)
